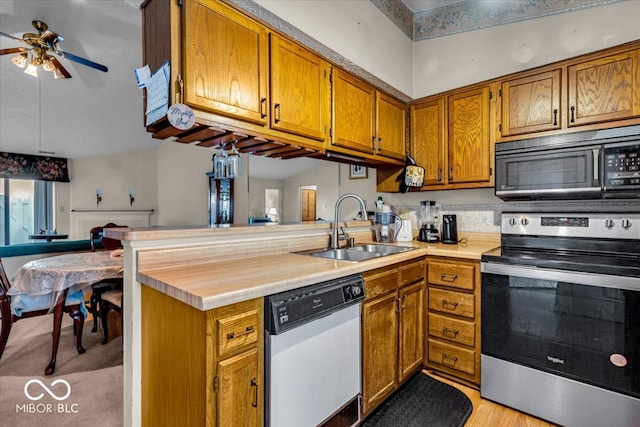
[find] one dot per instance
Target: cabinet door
(391, 126)
(225, 61)
(531, 104)
(469, 150)
(353, 112)
(428, 139)
(604, 89)
(299, 90)
(237, 401)
(411, 329)
(379, 350)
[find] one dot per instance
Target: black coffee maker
(449, 229)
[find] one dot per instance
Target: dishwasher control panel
(287, 310)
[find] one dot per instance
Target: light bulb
(20, 60)
(57, 74)
(48, 65)
(32, 70)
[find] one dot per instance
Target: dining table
(58, 280)
(49, 277)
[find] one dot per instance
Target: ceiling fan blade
(12, 50)
(82, 61)
(60, 68)
(10, 36)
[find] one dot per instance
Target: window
(26, 206)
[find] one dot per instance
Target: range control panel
(622, 166)
(597, 225)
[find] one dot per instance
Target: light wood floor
(486, 413)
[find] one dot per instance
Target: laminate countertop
(208, 285)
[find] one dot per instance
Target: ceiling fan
(39, 52)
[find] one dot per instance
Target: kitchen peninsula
(210, 269)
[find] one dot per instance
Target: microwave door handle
(596, 167)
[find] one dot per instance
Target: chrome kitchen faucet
(363, 208)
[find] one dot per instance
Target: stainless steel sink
(357, 253)
(381, 249)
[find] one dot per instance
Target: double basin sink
(357, 253)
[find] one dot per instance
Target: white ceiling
(90, 114)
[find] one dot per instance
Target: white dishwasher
(312, 364)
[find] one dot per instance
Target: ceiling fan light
(32, 70)
(57, 74)
(20, 60)
(48, 65)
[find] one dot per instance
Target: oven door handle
(589, 279)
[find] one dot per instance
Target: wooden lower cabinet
(201, 368)
(453, 332)
(392, 329)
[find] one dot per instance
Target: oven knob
(524, 221)
(625, 223)
(512, 221)
(355, 290)
(609, 223)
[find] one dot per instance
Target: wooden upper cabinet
(604, 89)
(531, 104)
(225, 61)
(353, 112)
(428, 139)
(299, 90)
(469, 150)
(391, 125)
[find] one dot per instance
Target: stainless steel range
(561, 318)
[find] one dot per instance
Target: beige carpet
(95, 378)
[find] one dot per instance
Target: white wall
(449, 62)
(182, 184)
(358, 31)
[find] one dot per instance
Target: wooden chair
(97, 289)
(111, 301)
(62, 306)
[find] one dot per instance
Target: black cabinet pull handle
(445, 303)
(573, 110)
(450, 174)
(373, 143)
(254, 383)
(231, 335)
(448, 277)
(555, 117)
(277, 111)
(446, 358)
(439, 174)
(263, 108)
(452, 332)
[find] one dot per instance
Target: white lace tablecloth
(75, 272)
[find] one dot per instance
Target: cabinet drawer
(452, 302)
(381, 283)
(237, 331)
(450, 274)
(451, 356)
(411, 273)
(447, 328)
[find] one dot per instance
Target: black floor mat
(422, 402)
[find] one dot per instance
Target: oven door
(549, 174)
(585, 327)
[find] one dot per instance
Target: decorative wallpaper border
(470, 15)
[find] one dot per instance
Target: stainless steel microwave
(586, 165)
